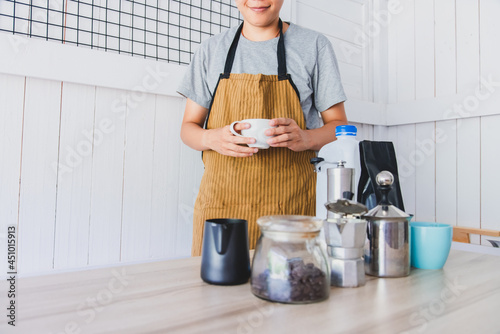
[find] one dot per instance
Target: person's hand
(288, 134)
(224, 142)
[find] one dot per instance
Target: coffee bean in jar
(304, 283)
(289, 265)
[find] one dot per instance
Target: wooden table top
(170, 297)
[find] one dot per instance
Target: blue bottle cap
(346, 130)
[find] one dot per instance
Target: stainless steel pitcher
(225, 258)
(387, 252)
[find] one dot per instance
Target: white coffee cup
(258, 127)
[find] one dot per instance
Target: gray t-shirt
(310, 61)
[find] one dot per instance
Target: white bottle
(345, 148)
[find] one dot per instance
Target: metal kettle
(387, 251)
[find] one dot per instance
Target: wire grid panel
(158, 29)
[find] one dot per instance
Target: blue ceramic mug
(430, 244)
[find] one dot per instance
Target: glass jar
(289, 265)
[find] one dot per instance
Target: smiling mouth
(259, 9)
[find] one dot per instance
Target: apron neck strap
(281, 53)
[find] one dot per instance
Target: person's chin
(260, 20)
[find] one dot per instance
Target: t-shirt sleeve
(194, 84)
(327, 85)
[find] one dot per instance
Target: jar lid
(305, 226)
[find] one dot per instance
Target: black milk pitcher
(225, 258)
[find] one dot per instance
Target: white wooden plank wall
(409, 161)
(11, 127)
(105, 221)
(446, 172)
(192, 167)
(392, 61)
(490, 180)
(166, 172)
(445, 47)
(342, 22)
(467, 53)
(405, 52)
(380, 133)
(378, 62)
(38, 193)
(137, 178)
(439, 48)
(489, 26)
(104, 175)
(434, 47)
(469, 174)
(424, 55)
(425, 180)
(74, 179)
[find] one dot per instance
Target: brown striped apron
(274, 181)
